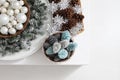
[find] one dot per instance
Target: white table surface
(104, 50)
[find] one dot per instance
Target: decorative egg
(64, 43)
(21, 18)
(4, 19)
(12, 31)
(15, 5)
(49, 51)
(66, 35)
(72, 46)
(2, 2)
(62, 54)
(56, 47)
(24, 9)
(10, 12)
(46, 45)
(19, 26)
(52, 40)
(4, 30)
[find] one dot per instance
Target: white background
(104, 21)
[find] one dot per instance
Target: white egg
(10, 12)
(19, 26)
(9, 25)
(21, 18)
(17, 11)
(3, 10)
(24, 9)
(4, 19)
(15, 5)
(14, 22)
(6, 4)
(12, 31)
(4, 30)
(21, 2)
(2, 2)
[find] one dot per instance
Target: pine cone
(74, 2)
(55, 1)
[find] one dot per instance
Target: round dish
(54, 57)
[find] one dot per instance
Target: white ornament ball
(21, 2)
(24, 9)
(4, 30)
(21, 18)
(14, 22)
(9, 25)
(12, 31)
(3, 10)
(19, 26)
(12, 18)
(11, 0)
(2, 2)
(17, 11)
(15, 5)
(4, 19)
(10, 12)
(6, 4)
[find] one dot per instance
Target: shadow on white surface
(36, 72)
(12, 62)
(39, 58)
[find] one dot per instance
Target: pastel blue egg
(66, 35)
(62, 54)
(72, 46)
(49, 51)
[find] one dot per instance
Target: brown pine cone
(55, 1)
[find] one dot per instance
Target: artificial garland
(23, 41)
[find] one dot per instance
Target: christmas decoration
(72, 46)
(12, 8)
(63, 54)
(20, 42)
(59, 50)
(56, 47)
(66, 15)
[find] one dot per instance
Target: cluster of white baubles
(12, 16)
